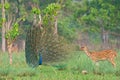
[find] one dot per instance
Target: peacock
(42, 46)
(40, 59)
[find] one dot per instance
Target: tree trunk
(105, 38)
(3, 27)
(10, 52)
(55, 26)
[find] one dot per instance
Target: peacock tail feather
(43, 42)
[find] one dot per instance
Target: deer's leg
(96, 70)
(112, 62)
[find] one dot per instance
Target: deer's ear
(82, 47)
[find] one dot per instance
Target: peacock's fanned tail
(45, 43)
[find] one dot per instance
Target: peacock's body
(40, 59)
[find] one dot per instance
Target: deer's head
(84, 48)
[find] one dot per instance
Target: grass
(70, 69)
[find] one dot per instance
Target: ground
(67, 70)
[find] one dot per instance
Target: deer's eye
(82, 47)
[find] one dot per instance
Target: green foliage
(0, 23)
(50, 12)
(23, 18)
(67, 28)
(45, 3)
(52, 9)
(0, 5)
(7, 5)
(3, 20)
(35, 1)
(99, 13)
(35, 10)
(13, 33)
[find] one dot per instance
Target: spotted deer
(101, 55)
(13, 48)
